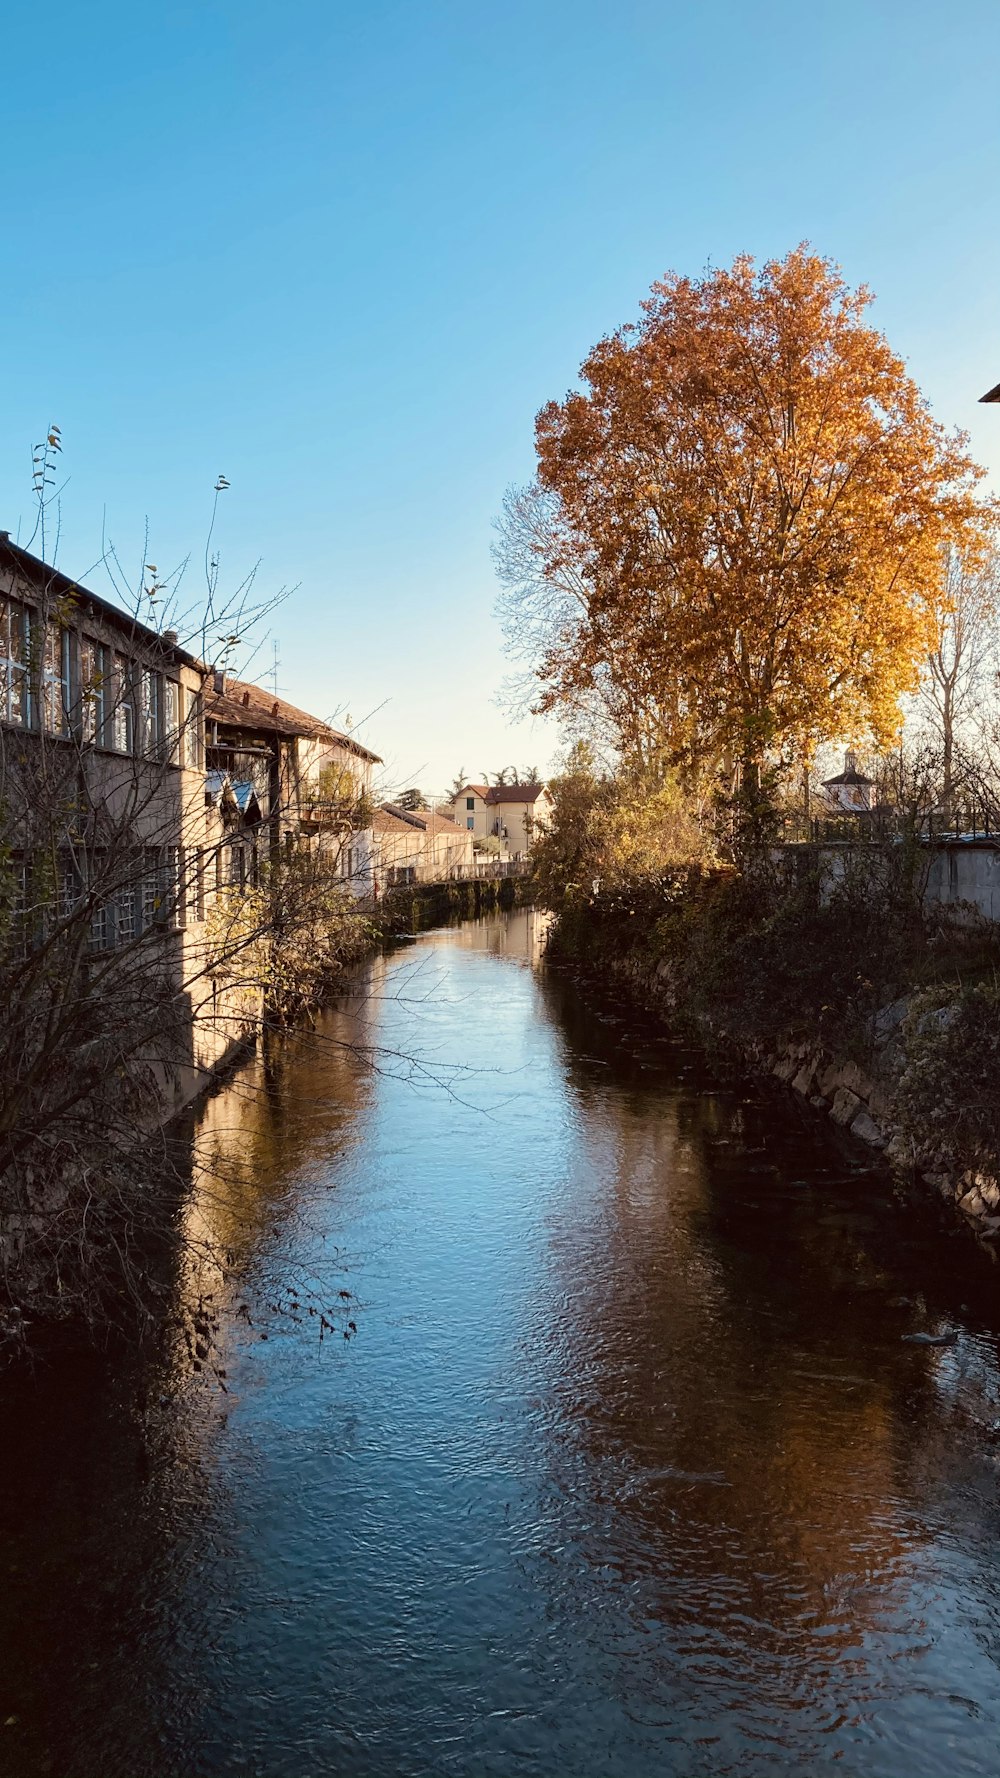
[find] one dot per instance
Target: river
(625, 1466)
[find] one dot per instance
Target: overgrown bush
(611, 833)
(783, 953)
(948, 1097)
(286, 937)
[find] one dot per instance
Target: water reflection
(627, 1470)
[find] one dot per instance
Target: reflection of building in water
(520, 935)
(263, 1147)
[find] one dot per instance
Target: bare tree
(549, 597)
(961, 671)
(141, 932)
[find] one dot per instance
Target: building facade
(418, 846)
(141, 795)
(510, 814)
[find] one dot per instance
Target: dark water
(626, 1470)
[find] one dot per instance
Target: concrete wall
(967, 871)
(964, 874)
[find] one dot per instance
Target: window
(96, 692)
(470, 822)
(174, 889)
(126, 913)
(153, 703)
(69, 887)
(151, 896)
(124, 711)
(172, 720)
(470, 802)
(16, 702)
(69, 681)
(100, 928)
(18, 928)
(51, 680)
(198, 899)
(194, 731)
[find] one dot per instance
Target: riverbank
(418, 906)
(878, 1014)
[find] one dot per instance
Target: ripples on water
(627, 1469)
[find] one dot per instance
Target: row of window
(55, 679)
(167, 888)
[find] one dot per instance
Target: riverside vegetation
(747, 541)
(877, 1009)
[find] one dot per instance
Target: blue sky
(344, 253)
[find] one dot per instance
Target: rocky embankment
(862, 1098)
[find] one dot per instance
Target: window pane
(18, 703)
(126, 913)
(172, 717)
(193, 751)
(51, 679)
(124, 714)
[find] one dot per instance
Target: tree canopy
(739, 532)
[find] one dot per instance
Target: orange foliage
(759, 499)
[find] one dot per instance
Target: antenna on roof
(275, 664)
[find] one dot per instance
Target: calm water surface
(626, 1470)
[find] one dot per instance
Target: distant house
(417, 846)
(511, 813)
(469, 809)
(850, 790)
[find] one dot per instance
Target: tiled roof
(852, 776)
(243, 705)
(514, 793)
(389, 821)
(424, 820)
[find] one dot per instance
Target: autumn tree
(608, 830)
(743, 515)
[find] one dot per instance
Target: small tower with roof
(850, 790)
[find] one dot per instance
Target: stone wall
(857, 1098)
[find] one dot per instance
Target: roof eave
(37, 569)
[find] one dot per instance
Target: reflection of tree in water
(750, 1431)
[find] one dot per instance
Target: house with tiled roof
(418, 846)
(511, 814)
(311, 782)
